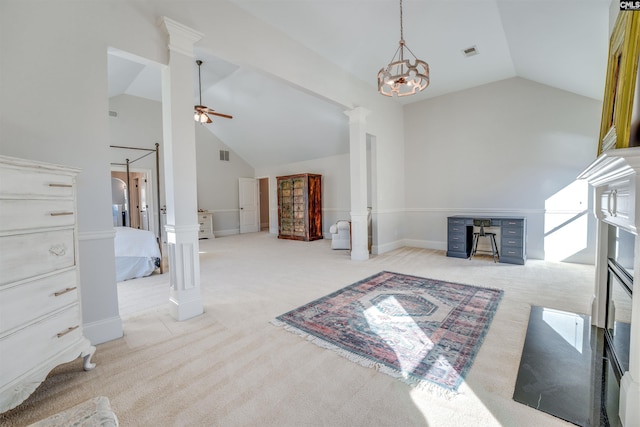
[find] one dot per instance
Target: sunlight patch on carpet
(425, 332)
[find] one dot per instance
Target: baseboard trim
(387, 247)
(425, 244)
(103, 330)
(231, 232)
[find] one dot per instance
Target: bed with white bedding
(137, 253)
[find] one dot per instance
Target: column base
(359, 237)
(184, 310)
(359, 255)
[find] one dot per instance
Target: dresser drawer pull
(70, 329)
(57, 294)
(58, 250)
(60, 185)
(61, 213)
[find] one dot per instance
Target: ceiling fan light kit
(199, 116)
(402, 77)
(201, 112)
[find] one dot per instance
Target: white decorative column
(358, 167)
(182, 227)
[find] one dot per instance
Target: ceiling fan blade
(203, 109)
(226, 116)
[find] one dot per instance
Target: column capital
(181, 37)
(357, 114)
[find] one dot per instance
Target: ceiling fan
(202, 111)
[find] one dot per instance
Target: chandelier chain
(401, 27)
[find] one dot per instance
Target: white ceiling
(560, 43)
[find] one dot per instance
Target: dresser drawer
(457, 221)
(456, 228)
(23, 303)
(26, 348)
(26, 214)
(206, 224)
(512, 232)
(456, 247)
(457, 237)
(511, 252)
(21, 183)
(511, 242)
(28, 255)
(517, 223)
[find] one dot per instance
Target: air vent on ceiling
(224, 155)
(470, 51)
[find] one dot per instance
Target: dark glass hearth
(561, 369)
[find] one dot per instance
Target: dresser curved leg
(87, 354)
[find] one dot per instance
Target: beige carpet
(231, 367)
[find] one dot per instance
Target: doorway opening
(131, 206)
(135, 124)
(372, 191)
(263, 188)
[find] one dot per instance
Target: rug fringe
(409, 379)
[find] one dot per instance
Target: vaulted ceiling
(559, 43)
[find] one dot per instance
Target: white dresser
(205, 219)
(40, 313)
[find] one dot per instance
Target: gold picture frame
(622, 70)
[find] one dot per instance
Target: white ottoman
(94, 412)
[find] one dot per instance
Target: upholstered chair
(341, 234)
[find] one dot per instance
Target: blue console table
(513, 234)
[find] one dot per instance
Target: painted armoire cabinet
(300, 207)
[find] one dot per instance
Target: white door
(249, 209)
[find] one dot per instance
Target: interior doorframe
(372, 190)
(268, 202)
(255, 226)
(151, 213)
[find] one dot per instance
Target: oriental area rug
(425, 332)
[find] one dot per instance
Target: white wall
(139, 124)
(505, 148)
(218, 181)
(54, 57)
(336, 202)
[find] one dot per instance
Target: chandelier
(401, 77)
